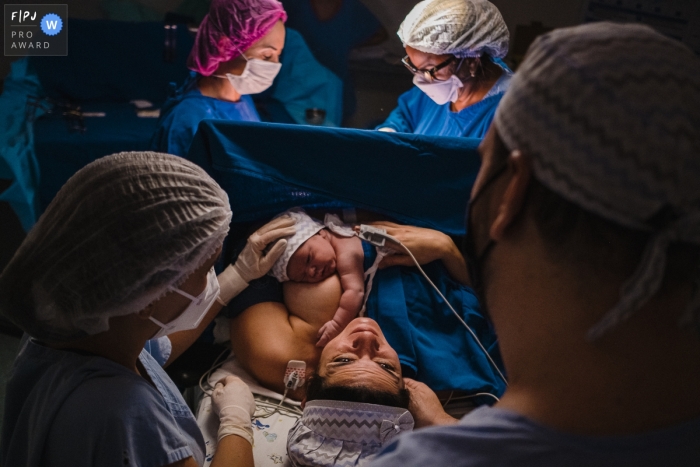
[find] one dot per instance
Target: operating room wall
(553, 14)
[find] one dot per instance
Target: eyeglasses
(428, 74)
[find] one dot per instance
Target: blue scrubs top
(181, 114)
(68, 408)
(491, 436)
(419, 114)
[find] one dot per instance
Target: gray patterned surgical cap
(118, 233)
(611, 115)
(463, 28)
(344, 434)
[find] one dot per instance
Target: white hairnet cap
(616, 132)
(463, 28)
(306, 227)
(118, 233)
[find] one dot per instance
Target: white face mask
(441, 92)
(257, 76)
(194, 313)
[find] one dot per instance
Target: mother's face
(361, 355)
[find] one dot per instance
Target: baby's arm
(349, 259)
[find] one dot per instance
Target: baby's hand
(327, 332)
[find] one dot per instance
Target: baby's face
(314, 261)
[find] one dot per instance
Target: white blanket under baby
(270, 429)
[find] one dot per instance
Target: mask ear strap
(157, 322)
(183, 293)
(242, 54)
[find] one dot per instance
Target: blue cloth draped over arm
(433, 346)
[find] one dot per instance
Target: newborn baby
(313, 254)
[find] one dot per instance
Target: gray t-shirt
(496, 437)
(66, 408)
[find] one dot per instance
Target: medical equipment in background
(378, 237)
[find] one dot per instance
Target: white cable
(394, 239)
(215, 366)
(266, 409)
(470, 396)
(448, 399)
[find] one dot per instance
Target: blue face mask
(195, 311)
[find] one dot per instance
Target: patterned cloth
(306, 228)
(611, 115)
(339, 433)
(463, 28)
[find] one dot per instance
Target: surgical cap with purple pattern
(229, 29)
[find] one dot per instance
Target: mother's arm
(267, 335)
(426, 245)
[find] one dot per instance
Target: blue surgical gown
(68, 408)
(331, 41)
(181, 114)
(302, 83)
(419, 114)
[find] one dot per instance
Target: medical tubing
(470, 396)
(209, 372)
(394, 239)
(261, 406)
(266, 409)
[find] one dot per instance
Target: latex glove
(252, 263)
(327, 332)
(425, 406)
(233, 403)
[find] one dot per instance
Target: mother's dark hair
(317, 388)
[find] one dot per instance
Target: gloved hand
(233, 402)
(252, 263)
(327, 332)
